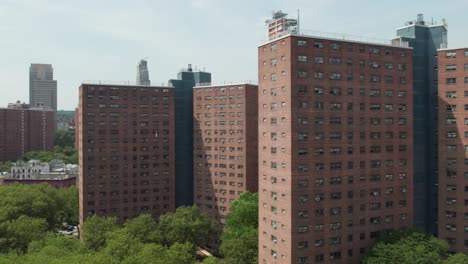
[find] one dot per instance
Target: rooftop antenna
(298, 21)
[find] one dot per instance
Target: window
(451, 94)
(318, 75)
(335, 61)
(302, 58)
(273, 47)
(302, 74)
(450, 54)
(375, 78)
(374, 50)
(451, 134)
(374, 64)
(302, 43)
(318, 44)
(466, 53)
(318, 90)
(318, 60)
(335, 46)
(273, 62)
(451, 67)
(451, 80)
(335, 76)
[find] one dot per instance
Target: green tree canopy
(64, 138)
(96, 229)
(5, 166)
(240, 235)
(67, 154)
(187, 224)
(36, 201)
(407, 247)
(458, 258)
(143, 228)
(18, 233)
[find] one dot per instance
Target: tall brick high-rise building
(225, 146)
(126, 150)
(453, 148)
(335, 147)
(25, 128)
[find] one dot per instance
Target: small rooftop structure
(279, 25)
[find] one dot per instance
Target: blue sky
(104, 39)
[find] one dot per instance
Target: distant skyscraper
(142, 73)
(425, 38)
(42, 86)
(186, 80)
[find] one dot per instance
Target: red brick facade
(126, 151)
(453, 148)
(23, 130)
(335, 148)
(225, 146)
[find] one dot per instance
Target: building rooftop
(203, 85)
(397, 42)
(24, 106)
(421, 23)
(124, 83)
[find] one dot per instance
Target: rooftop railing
(124, 83)
(346, 37)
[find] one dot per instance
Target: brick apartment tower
(126, 151)
(335, 147)
(453, 148)
(23, 129)
(225, 146)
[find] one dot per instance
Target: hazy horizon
(104, 40)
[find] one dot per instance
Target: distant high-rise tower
(425, 38)
(42, 86)
(23, 129)
(142, 73)
(186, 80)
